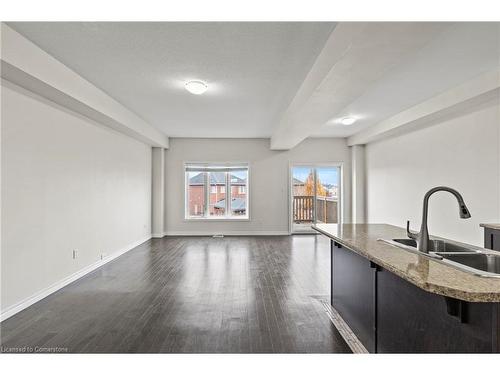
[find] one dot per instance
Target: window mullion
(228, 194)
(186, 195)
(315, 198)
(207, 194)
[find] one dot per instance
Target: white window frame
(228, 216)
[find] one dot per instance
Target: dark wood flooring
(192, 295)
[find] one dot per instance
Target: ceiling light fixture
(348, 121)
(196, 87)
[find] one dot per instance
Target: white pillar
(158, 192)
(358, 184)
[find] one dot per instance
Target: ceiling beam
(28, 66)
(355, 56)
(482, 89)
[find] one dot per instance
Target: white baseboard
(157, 235)
(228, 233)
(14, 309)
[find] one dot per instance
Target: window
(196, 194)
(216, 201)
(238, 192)
(206, 187)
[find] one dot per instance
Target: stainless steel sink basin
(469, 259)
(438, 246)
(483, 262)
(406, 241)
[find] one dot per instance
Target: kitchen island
(397, 301)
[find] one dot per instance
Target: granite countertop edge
(447, 291)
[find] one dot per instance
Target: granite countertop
(423, 272)
(490, 226)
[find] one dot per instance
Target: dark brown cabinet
(411, 320)
(353, 293)
(390, 315)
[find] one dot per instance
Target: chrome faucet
(422, 238)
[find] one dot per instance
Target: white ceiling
(460, 52)
(253, 69)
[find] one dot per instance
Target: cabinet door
(353, 293)
(411, 320)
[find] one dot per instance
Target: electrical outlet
(75, 254)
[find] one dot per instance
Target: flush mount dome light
(196, 87)
(348, 121)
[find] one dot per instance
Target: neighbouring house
(217, 194)
(298, 187)
(238, 206)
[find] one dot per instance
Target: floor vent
(344, 330)
(218, 236)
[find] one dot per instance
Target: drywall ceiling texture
(463, 153)
(253, 69)
(269, 180)
(66, 184)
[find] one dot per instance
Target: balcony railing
(303, 209)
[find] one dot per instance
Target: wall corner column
(158, 192)
(358, 184)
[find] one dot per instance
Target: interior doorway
(315, 192)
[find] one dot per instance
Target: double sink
(469, 259)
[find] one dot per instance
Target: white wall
(158, 192)
(358, 173)
(463, 153)
(66, 184)
(268, 180)
(27, 65)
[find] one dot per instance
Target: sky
(326, 175)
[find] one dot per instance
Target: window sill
(246, 218)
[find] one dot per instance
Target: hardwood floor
(192, 295)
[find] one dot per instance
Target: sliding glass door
(315, 196)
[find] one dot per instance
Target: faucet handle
(410, 233)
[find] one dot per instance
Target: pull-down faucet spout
(422, 238)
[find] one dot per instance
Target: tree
(309, 186)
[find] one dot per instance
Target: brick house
(217, 194)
